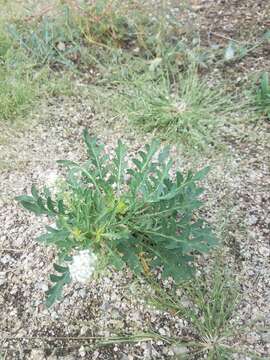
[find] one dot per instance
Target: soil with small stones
(237, 205)
(243, 23)
(237, 195)
(107, 306)
(221, 22)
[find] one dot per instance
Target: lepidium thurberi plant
(109, 213)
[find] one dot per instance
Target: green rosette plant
(140, 216)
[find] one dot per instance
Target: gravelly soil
(237, 203)
(106, 306)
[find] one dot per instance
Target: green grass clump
(208, 305)
(16, 88)
(17, 85)
(28, 54)
(187, 110)
(5, 42)
(22, 83)
(52, 40)
(211, 307)
(16, 93)
(98, 36)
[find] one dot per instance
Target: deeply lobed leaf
(141, 216)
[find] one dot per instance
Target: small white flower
(51, 177)
(83, 266)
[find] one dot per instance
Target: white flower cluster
(83, 266)
(51, 176)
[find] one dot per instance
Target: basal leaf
(60, 206)
(55, 292)
(55, 278)
(34, 192)
(120, 164)
(56, 237)
(33, 207)
(201, 174)
(25, 198)
(50, 205)
(61, 269)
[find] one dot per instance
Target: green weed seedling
(138, 216)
